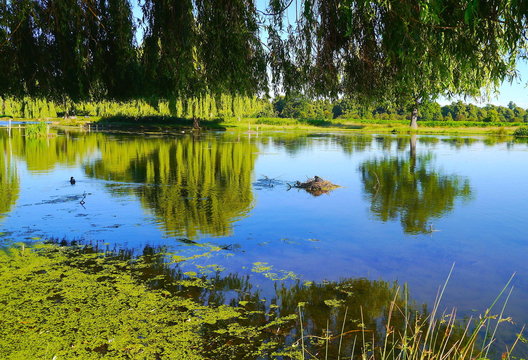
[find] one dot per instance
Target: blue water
(331, 236)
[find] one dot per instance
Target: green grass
(372, 126)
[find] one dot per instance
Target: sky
(516, 91)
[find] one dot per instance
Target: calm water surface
(408, 209)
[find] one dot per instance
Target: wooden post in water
(9, 128)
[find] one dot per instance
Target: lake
(408, 207)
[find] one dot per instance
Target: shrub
(37, 130)
(521, 132)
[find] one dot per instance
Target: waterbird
(72, 180)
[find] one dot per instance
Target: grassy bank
(373, 126)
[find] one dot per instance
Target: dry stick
(457, 347)
(362, 328)
(435, 334)
(302, 332)
(341, 336)
(417, 337)
(445, 339)
(406, 322)
(515, 343)
(391, 308)
(353, 348)
(327, 339)
(373, 342)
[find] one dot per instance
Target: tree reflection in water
(9, 180)
(411, 189)
(192, 185)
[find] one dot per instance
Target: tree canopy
(405, 52)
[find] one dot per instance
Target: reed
(408, 335)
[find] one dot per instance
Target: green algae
(66, 303)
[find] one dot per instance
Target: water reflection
(9, 180)
(192, 185)
(43, 154)
(411, 189)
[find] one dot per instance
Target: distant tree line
(302, 107)
(229, 106)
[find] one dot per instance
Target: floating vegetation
(280, 275)
(72, 302)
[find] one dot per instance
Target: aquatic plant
(407, 334)
(74, 302)
(77, 302)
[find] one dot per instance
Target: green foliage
(371, 51)
(39, 129)
(521, 132)
(205, 106)
(291, 107)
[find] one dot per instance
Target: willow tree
(399, 52)
(194, 48)
(66, 48)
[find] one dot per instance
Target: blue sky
(515, 91)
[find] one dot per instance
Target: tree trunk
(414, 117)
(196, 123)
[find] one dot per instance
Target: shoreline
(257, 125)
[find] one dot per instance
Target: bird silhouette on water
(72, 180)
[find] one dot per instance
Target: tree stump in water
(316, 186)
